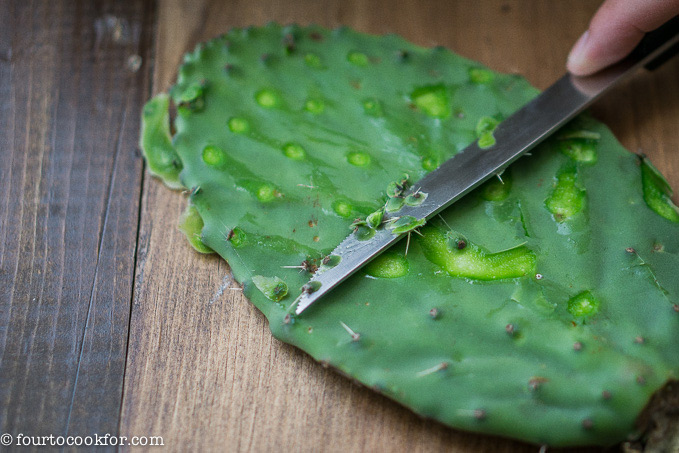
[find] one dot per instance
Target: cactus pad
(542, 306)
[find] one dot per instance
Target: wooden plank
(203, 370)
(71, 90)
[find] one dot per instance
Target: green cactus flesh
(514, 312)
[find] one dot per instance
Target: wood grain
(69, 190)
(203, 370)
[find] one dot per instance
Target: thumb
(616, 28)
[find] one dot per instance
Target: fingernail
(577, 56)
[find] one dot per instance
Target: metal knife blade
(465, 171)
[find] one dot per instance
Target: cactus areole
(515, 312)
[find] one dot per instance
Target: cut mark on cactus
(236, 237)
(273, 288)
(484, 131)
(568, 198)
(474, 262)
(343, 209)
(583, 305)
(581, 150)
(433, 100)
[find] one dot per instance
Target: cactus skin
(524, 355)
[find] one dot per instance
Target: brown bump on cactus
(639, 340)
(536, 382)
(587, 424)
(310, 329)
(434, 313)
(577, 346)
(480, 414)
(539, 276)
(630, 250)
(606, 395)
(510, 329)
(461, 244)
(641, 380)
(675, 307)
(287, 319)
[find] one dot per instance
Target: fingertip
(579, 61)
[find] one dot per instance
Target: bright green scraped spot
(568, 198)
(432, 100)
(584, 304)
(471, 261)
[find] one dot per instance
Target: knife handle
(655, 39)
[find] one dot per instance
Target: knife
(460, 174)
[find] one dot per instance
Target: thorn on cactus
(440, 367)
(354, 336)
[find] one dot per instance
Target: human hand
(614, 31)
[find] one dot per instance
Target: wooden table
(109, 322)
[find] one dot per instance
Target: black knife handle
(655, 39)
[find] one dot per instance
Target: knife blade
(460, 174)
